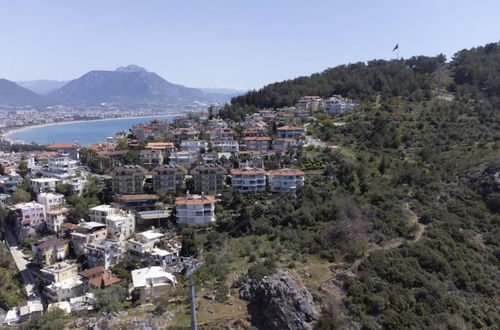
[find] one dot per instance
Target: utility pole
(191, 264)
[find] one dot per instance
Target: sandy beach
(5, 135)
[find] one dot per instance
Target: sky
(243, 44)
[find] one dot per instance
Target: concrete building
(105, 253)
(248, 180)
(336, 105)
(59, 271)
(285, 144)
(29, 218)
(51, 200)
(152, 284)
(151, 157)
(183, 158)
(144, 242)
(289, 132)
(63, 290)
(258, 143)
(168, 178)
(309, 103)
(120, 226)
(195, 209)
(143, 202)
(285, 180)
(87, 232)
(128, 179)
(55, 217)
(101, 212)
(193, 145)
(49, 250)
(61, 166)
(226, 146)
(44, 185)
(208, 179)
(67, 148)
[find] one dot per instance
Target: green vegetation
(403, 149)
(53, 320)
(11, 288)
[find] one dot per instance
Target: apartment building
(309, 103)
(168, 178)
(285, 180)
(41, 185)
(61, 166)
(51, 200)
(105, 253)
(49, 250)
(59, 271)
(152, 284)
(120, 226)
(151, 157)
(285, 144)
(179, 158)
(226, 145)
(208, 179)
(29, 218)
(248, 180)
(87, 232)
(144, 242)
(71, 149)
(101, 212)
(289, 132)
(258, 143)
(55, 217)
(195, 209)
(128, 179)
(193, 145)
(337, 105)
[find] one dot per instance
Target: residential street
(21, 262)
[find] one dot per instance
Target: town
(75, 214)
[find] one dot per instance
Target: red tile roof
(195, 201)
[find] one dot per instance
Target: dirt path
(413, 219)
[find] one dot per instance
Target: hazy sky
(229, 43)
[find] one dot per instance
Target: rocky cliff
(279, 302)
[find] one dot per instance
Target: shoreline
(6, 135)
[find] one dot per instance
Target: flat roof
(140, 276)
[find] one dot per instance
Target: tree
(53, 320)
(122, 144)
(131, 157)
(109, 300)
(20, 196)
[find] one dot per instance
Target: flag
(396, 47)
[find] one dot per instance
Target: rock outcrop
(279, 302)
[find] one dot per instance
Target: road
(21, 261)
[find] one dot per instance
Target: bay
(85, 133)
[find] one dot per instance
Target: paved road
(21, 261)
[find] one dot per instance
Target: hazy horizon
(228, 44)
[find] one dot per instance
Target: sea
(85, 133)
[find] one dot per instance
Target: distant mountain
(131, 86)
(224, 91)
(42, 87)
(15, 95)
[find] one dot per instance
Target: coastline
(6, 135)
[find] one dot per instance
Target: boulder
(279, 302)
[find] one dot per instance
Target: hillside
(398, 228)
(14, 95)
(42, 87)
(130, 86)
